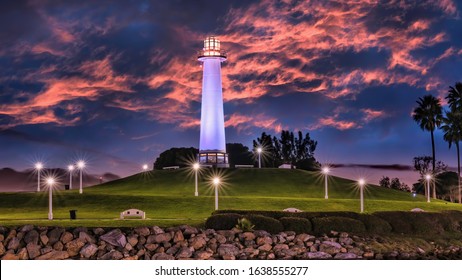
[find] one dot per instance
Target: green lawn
(168, 198)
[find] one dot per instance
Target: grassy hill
(168, 198)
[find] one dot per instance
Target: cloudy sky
(118, 82)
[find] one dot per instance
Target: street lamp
(50, 182)
(361, 183)
(428, 177)
(71, 169)
(38, 167)
(216, 182)
(196, 167)
(259, 151)
(81, 166)
(145, 167)
(325, 171)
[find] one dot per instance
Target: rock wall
(185, 242)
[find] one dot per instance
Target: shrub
(430, 223)
(265, 223)
(299, 225)
(222, 221)
(453, 221)
(397, 220)
(326, 224)
(245, 225)
(375, 224)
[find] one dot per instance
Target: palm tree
(452, 128)
(455, 96)
(428, 115)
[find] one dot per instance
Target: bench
(171, 167)
(244, 165)
(132, 213)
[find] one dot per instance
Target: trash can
(66, 187)
(73, 214)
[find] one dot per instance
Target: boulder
(132, 239)
(112, 255)
(88, 251)
(227, 249)
(156, 230)
(33, 250)
(183, 253)
(54, 235)
(330, 247)
(197, 242)
(73, 247)
(54, 255)
(2, 249)
(44, 239)
(26, 228)
(22, 254)
(10, 256)
(86, 237)
(264, 240)
(115, 237)
(151, 247)
(202, 255)
(159, 238)
(143, 231)
(345, 256)
(265, 247)
(58, 246)
(178, 237)
(188, 230)
(31, 237)
(13, 244)
(279, 247)
(162, 256)
(99, 231)
(317, 256)
(248, 235)
(66, 237)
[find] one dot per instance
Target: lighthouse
(212, 147)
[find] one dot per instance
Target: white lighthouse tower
(212, 148)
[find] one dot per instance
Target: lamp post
(259, 151)
(325, 171)
(71, 169)
(196, 167)
(81, 166)
(428, 177)
(50, 183)
(361, 183)
(216, 182)
(38, 167)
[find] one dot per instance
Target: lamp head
(325, 170)
(70, 167)
(38, 165)
(80, 164)
(259, 150)
(361, 182)
(216, 181)
(196, 166)
(428, 176)
(50, 181)
(145, 167)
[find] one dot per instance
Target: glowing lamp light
(145, 167)
(361, 183)
(70, 167)
(196, 166)
(325, 170)
(81, 164)
(428, 176)
(259, 150)
(38, 165)
(50, 181)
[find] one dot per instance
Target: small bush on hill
(299, 225)
(222, 221)
(327, 224)
(265, 223)
(245, 225)
(375, 224)
(397, 221)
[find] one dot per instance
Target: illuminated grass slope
(168, 198)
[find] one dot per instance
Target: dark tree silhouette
(428, 114)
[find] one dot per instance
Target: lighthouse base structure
(213, 159)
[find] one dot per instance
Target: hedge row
(324, 222)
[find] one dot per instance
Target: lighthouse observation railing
(212, 53)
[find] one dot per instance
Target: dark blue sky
(117, 82)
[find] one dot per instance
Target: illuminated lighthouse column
(212, 148)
